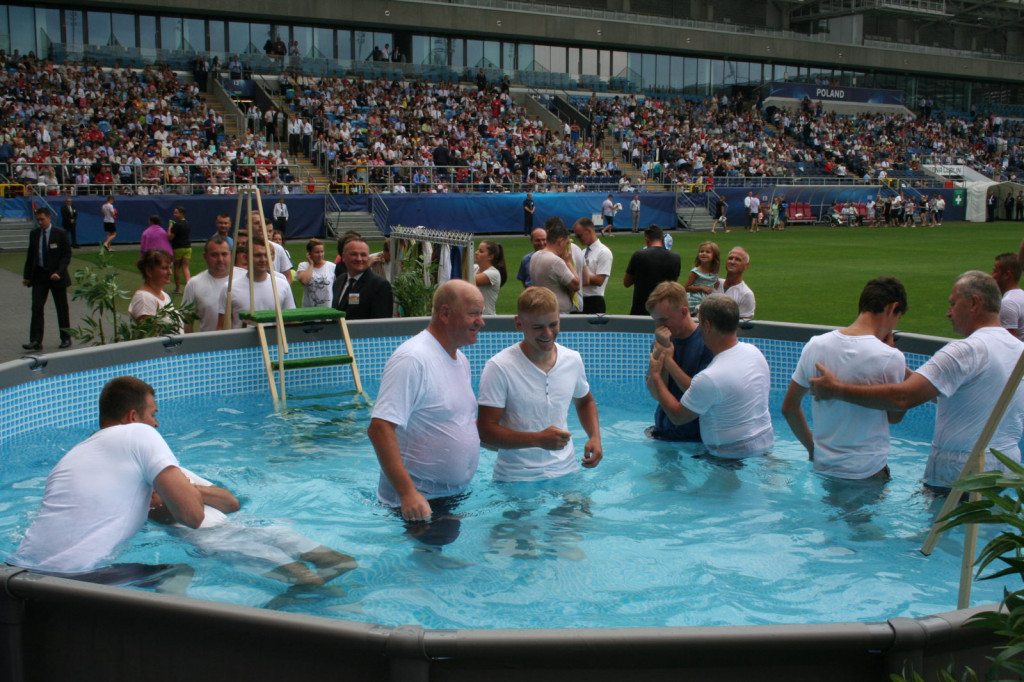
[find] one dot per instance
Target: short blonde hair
(672, 292)
(536, 300)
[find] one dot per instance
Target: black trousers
(592, 305)
(42, 286)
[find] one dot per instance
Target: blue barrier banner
(503, 213)
(305, 214)
(835, 93)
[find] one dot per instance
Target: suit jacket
(57, 255)
(375, 298)
(68, 215)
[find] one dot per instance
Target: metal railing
(148, 179)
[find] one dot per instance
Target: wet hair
(880, 292)
(557, 230)
(313, 243)
(552, 221)
(1008, 263)
(982, 285)
(151, 259)
(672, 292)
(120, 396)
(180, 209)
(654, 233)
(716, 256)
(497, 254)
(43, 210)
(155, 220)
(537, 300)
(721, 312)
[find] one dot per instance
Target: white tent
(977, 198)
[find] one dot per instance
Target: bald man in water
(423, 427)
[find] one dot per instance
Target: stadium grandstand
(359, 103)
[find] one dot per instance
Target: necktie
(44, 239)
(343, 299)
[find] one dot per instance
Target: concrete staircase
(14, 234)
(340, 222)
(695, 218)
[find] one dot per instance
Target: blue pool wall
(112, 634)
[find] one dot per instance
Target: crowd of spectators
(687, 140)
(73, 128)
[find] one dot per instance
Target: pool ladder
(262, 318)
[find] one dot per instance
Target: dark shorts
(110, 227)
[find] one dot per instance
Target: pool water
(654, 536)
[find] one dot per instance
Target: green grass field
(815, 274)
(805, 274)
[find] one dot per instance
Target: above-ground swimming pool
(655, 536)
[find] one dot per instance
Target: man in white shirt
(1006, 273)
(525, 393)
(733, 285)
(281, 215)
(423, 424)
(597, 268)
(965, 378)
(98, 496)
(203, 291)
(263, 289)
(851, 441)
(730, 396)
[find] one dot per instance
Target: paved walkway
(17, 313)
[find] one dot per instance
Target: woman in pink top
(155, 237)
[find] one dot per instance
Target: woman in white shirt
(316, 275)
(150, 299)
(490, 273)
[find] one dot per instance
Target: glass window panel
(690, 80)
(382, 39)
(558, 60)
(420, 49)
(588, 62)
(5, 34)
(238, 37)
(215, 32)
(717, 74)
(508, 56)
(675, 79)
(99, 26)
(304, 35)
(525, 58)
(648, 70)
(542, 57)
(123, 28)
(74, 26)
(23, 37)
(323, 43)
(661, 74)
(492, 54)
(634, 68)
(474, 53)
(619, 63)
(729, 72)
(604, 63)
(363, 44)
(344, 44)
(170, 33)
(573, 62)
(458, 53)
(705, 85)
(259, 34)
(194, 35)
(48, 30)
(147, 32)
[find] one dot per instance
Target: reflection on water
(653, 536)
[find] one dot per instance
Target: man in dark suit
(46, 271)
(69, 220)
(360, 292)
